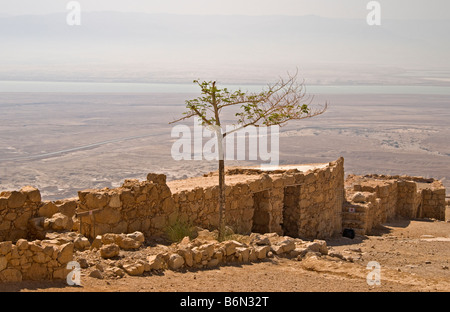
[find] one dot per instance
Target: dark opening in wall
(261, 215)
(291, 210)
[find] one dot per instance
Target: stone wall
(304, 204)
(145, 206)
(37, 260)
(16, 209)
(433, 203)
(409, 199)
(321, 198)
(376, 199)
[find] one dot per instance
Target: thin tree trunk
(221, 165)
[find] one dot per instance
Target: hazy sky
(404, 9)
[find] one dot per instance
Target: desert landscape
(63, 143)
(89, 182)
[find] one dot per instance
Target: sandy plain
(62, 143)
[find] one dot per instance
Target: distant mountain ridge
(177, 42)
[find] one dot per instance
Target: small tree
(283, 101)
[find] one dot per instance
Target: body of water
(115, 87)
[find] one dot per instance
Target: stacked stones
(433, 203)
(16, 208)
(321, 198)
(258, 204)
(409, 199)
(23, 215)
(136, 206)
(55, 216)
(37, 260)
(203, 252)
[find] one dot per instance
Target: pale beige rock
(134, 269)
(156, 262)
(109, 251)
(118, 272)
(261, 251)
(97, 242)
(230, 247)
(208, 250)
(244, 252)
(32, 194)
(82, 243)
(175, 262)
(65, 253)
(187, 255)
(287, 245)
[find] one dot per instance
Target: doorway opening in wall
(261, 215)
(291, 210)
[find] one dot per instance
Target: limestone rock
(137, 236)
(65, 253)
(156, 262)
(96, 274)
(175, 261)
(10, 276)
(81, 243)
(212, 263)
(187, 255)
(134, 269)
(359, 198)
(48, 209)
(207, 235)
(230, 247)
(277, 249)
(157, 178)
(288, 245)
(58, 222)
(118, 272)
(22, 244)
(244, 253)
(260, 240)
(109, 238)
(109, 251)
(16, 199)
(3, 263)
(32, 194)
(323, 249)
(5, 248)
(97, 243)
(261, 251)
(128, 243)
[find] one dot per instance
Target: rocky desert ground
(413, 257)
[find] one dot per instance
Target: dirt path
(413, 255)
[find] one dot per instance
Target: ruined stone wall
(379, 198)
(145, 206)
(16, 209)
(409, 199)
(24, 216)
(321, 198)
(301, 204)
(427, 202)
(37, 260)
(433, 203)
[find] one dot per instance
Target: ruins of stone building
(304, 201)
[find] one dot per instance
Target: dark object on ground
(349, 233)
